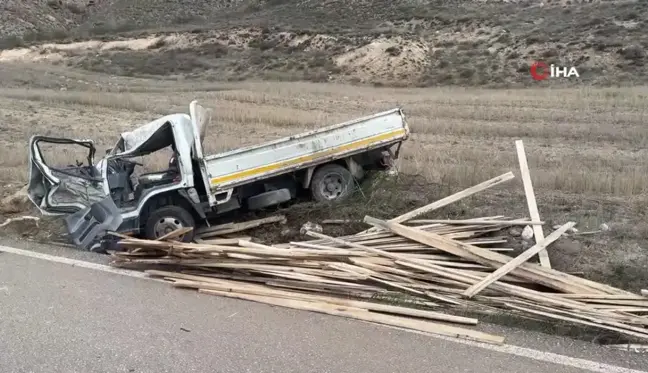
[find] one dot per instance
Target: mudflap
(88, 226)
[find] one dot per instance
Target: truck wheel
(166, 220)
(331, 183)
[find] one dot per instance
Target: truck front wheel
(167, 219)
(331, 183)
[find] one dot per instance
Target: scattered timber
(399, 272)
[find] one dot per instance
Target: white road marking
(548, 357)
(75, 262)
(530, 353)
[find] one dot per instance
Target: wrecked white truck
(107, 196)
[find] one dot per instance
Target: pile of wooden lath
(398, 274)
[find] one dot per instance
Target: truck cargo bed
(233, 168)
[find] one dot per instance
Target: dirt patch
(385, 59)
(15, 203)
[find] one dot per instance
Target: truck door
(58, 185)
(200, 119)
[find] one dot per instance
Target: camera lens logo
(540, 71)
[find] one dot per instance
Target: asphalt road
(57, 317)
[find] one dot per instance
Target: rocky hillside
(397, 42)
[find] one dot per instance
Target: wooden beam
(614, 326)
(221, 230)
(451, 199)
(508, 267)
(361, 314)
(531, 202)
(477, 222)
(529, 271)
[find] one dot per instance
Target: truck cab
(110, 195)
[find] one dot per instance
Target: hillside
(400, 42)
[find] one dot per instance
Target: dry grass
(579, 140)
(586, 147)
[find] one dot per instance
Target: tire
(332, 183)
(167, 219)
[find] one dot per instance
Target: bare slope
(399, 42)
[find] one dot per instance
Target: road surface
(58, 317)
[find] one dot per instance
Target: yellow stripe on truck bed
(307, 158)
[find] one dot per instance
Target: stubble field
(586, 147)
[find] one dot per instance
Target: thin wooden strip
(545, 276)
(175, 234)
(517, 261)
(531, 202)
(265, 291)
(453, 264)
(595, 297)
(616, 302)
(454, 198)
(222, 241)
(602, 324)
(398, 282)
(484, 241)
(333, 287)
(621, 308)
(424, 326)
(299, 286)
(470, 279)
(478, 221)
(239, 227)
(305, 277)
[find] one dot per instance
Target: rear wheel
(167, 219)
(331, 183)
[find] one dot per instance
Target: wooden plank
(175, 234)
(222, 241)
(529, 271)
(265, 291)
(451, 199)
(220, 230)
(467, 278)
(455, 197)
(577, 321)
(639, 348)
(359, 314)
(477, 221)
(616, 302)
(531, 202)
(594, 297)
(583, 319)
(511, 265)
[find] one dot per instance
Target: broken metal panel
(200, 119)
(176, 130)
(74, 192)
(58, 191)
(93, 222)
(356, 169)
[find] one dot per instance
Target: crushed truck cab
(107, 196)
